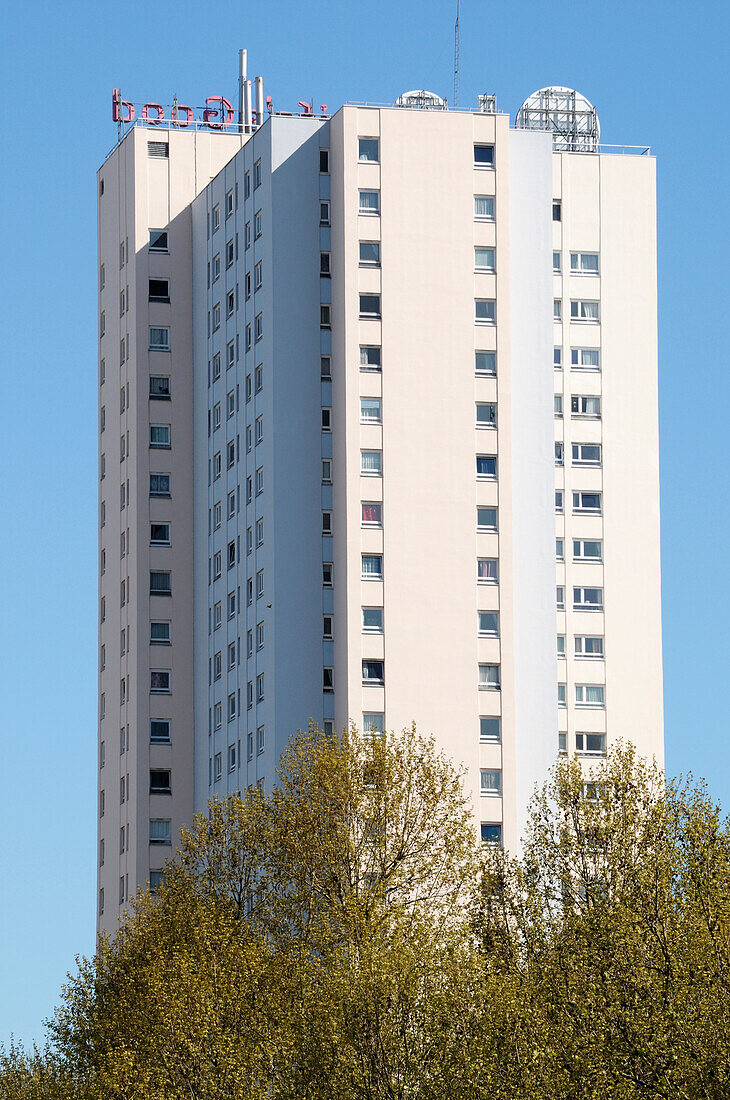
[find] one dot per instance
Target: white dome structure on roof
(421, 100)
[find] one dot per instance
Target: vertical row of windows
(578, 349)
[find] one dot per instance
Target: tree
(614, 927)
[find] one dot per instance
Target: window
(324, 213)
(369, 253)
(370, 305)
(326, 471)
(259, 480)
(217, 565)
(489, 677)
(558, 404)
(487, 570)
(485, 362)
(486, 519)
(257, 174)
(230, 404)
(160, 633)
(372, 514)
(218, 766)
(560, 597)
(488, 624)
(586, 454)
(159, 290)
(373, 673)
(159, 534)
(556, 263)
(257, 225)
(585, 358)
(160, 781)
(557, 309)
(484, 259)
(485, 311)
(258, 275)
(230, 253)
(160, 436)
(561, 695)
(247, 235)
(325, 315)
(160, 583)
(217, 716)
(259, 689)
(490, 781)
(216, 219)
(328, 680)
(587, 502)
(588, 645)
(216, 266)
(371, 463)
(589, 695)
(372, 567)
(587, 550)
(158, 242)
(327, 574)
(230, 303)
(159, 831)
(260, 739)
(231, 604)
(368, 149)
(561, 645)
(259, 532)
(326, 523)
(588, 407)
(159, 485)
(324, 160)
(216, 366)
(159, 339)
(592, 744)
(487, 467)
(369, 202)
(160, 681)
(231, 758)
(373, 723)
(584, 263)
(102, 801)
(582, 309)
(370, 410)
(588, 599)
(560, 550)
(490, 731)
(157, 878)
(484, 156)
(259, 584)
(326, 420)
(484, 208)
(216, 316)
(372, 620)
(370, 357)
(160, 731)
(558, 358)
(491, 834)
(486, 415)
(217, 615)
(558, 454)
(325, 259)
(557, 210)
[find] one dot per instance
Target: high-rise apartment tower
(378, 443)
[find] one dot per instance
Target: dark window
(370, 305)
(160, 731)
(324, 160)
(158, 240)
(160, 583)
(484, 156)
(557, 211)
(491, 834)
(159, 781)
(160, 387)
(159, 290)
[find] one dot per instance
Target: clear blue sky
(657, 72)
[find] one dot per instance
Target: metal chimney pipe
(259, 100)
(247, 107)
(242, 57)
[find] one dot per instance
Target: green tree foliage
(344, 937)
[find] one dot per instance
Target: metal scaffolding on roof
(568, 115)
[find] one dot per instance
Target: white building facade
(371, 486)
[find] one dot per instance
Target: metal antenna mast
(456, 57)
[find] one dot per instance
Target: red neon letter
(153, 107)
(118, 106)
(177, 116)
(225, 112)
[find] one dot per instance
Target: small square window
(369, 253)
(369, 202)
(370, 357)
(484, 156)
(485, 362)
(485, 311)
(369, 150)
